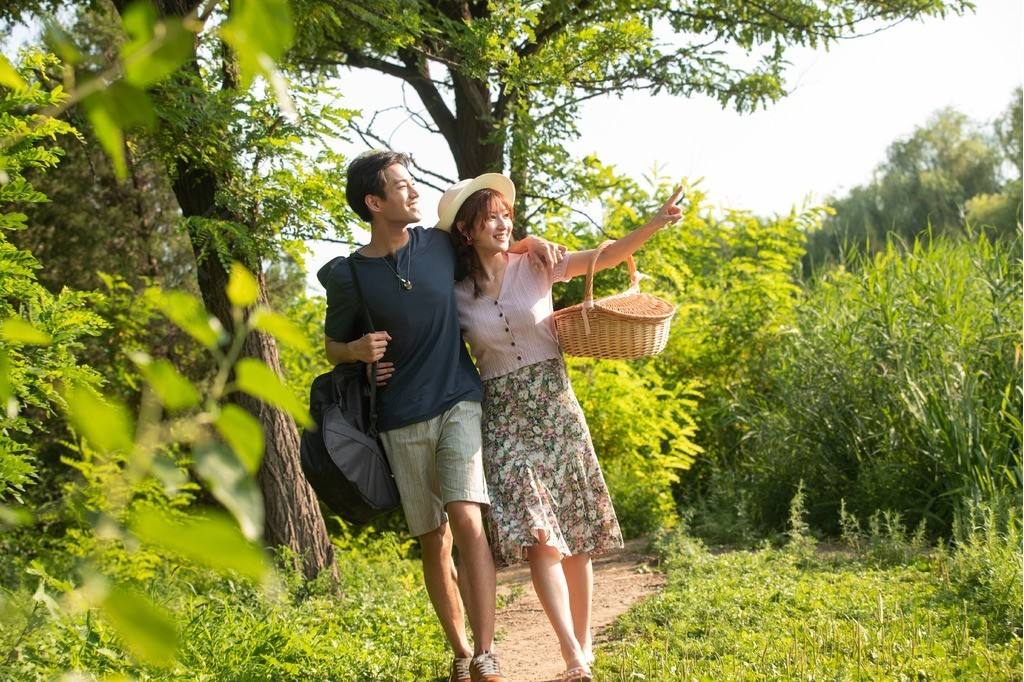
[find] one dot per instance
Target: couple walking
(502, 443)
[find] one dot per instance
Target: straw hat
(452, 200)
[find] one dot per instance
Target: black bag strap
(373, 367)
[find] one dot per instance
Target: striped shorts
(435, 462)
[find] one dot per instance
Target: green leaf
(281, 328)
(9, 77)
(6, 390)
(113, 109)
(156, 49)
(60, 43)
(12, 517)
(107, 425)
(259, 31)
(175, 391)
(148, 630)
(212, 540)
(242, 287)
(230, 482)
(188, 313)
(173, 477)
(18, 331)
(243, 434)
(259, 381)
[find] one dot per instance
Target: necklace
(404, 281)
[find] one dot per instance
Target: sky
(845, 107)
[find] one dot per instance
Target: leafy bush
(643, 434)
(40, 333)
(897, 387)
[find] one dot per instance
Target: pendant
(406, 284)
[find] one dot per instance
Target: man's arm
(367, 348)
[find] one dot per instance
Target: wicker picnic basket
(623, 326)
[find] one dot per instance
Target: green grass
(769, 615)
(377, 626)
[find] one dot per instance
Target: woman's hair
(468, 218)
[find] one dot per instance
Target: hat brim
(495, 181)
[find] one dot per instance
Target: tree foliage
(503, 82)
(949, 176)
(40, 332)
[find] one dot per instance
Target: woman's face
(493, 230)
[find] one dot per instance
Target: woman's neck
(492, 264)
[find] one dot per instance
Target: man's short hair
(366, 176)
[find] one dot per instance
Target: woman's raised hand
(670, 212)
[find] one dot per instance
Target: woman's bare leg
(579, 579)
(549, 582)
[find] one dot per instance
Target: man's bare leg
(476, 571)
(442, 585)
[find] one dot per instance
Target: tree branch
(370, 137)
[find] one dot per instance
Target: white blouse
(516, 329)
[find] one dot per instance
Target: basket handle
(588, 295)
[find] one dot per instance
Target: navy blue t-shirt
(433, 370)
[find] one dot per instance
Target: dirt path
(528, 648)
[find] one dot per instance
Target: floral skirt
(542, 472)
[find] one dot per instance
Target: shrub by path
(527, 645)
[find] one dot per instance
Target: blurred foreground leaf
(282, 329)
(212, 540)
(259, 381)
(106, 425)
(111, 111)
(243, 434)
(17, 330)
(156, 48)
(148, 630)
(189, 314)
(230, 482)
(175, 391)
(8, 76)
(242, 288)
(259, 31)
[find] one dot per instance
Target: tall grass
(897, 387)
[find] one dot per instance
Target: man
(429, 411)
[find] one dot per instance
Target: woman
(549, 501)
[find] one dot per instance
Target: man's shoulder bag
(342, 458)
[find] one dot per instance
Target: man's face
(401, 200)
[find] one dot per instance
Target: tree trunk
(292, 513)
(518, 171)
(479, 142)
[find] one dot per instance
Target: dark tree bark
(292, 513)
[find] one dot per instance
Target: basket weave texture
(623, 326)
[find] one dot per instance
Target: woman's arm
(617, 251)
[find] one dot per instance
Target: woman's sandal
(577, 674)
